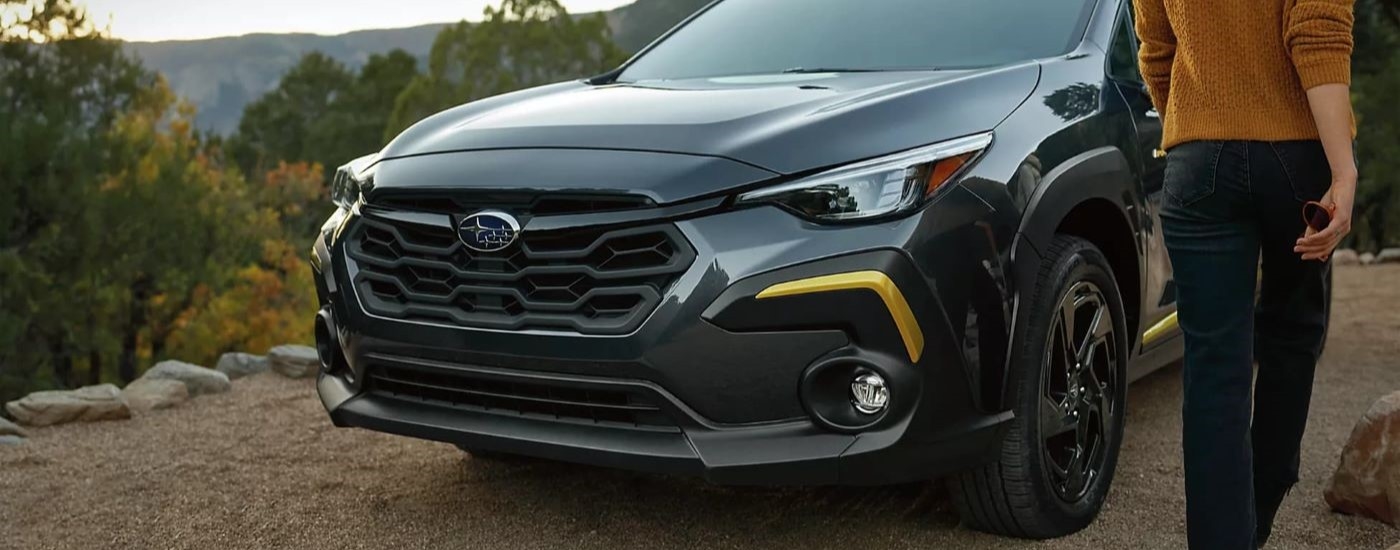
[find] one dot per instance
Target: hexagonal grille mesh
(591, 281)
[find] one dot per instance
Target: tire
(1024, 493)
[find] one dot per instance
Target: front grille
(541, 400)
(592, 281)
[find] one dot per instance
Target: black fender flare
(1104, 174)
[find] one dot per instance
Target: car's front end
(774, 278)
(716, 335)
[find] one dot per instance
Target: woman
(1257, 122)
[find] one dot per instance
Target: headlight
(873, 188)
(352, 181)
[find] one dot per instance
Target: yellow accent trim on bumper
(1160, 330)
(876, 281)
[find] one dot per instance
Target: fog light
(869, 394)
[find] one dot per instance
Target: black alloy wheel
(1077, 408)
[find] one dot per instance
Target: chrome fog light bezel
(870, 394)
(828, 393)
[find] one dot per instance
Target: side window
(1122, 55)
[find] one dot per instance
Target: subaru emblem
(489, 231)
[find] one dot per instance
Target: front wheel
(1068, 383)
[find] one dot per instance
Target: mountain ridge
(176, 41)
(221, 75)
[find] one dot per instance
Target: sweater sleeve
(1318, 34)
(1158, 49)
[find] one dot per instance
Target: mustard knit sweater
(1239, 69)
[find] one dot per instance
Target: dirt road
(261, 467)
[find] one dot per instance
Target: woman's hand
(1318, 245)
(1331, 108)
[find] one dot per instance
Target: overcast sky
(140, 20)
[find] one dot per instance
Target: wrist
(1347, 171)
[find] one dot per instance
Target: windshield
(745, 37)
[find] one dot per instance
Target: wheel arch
(1101, 223)
(1091, 196)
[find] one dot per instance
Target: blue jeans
(1228, 204)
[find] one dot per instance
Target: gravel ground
(261, 467)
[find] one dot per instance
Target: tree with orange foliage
(65, 85)
(176, 225)
(270, 300)
(125, 237)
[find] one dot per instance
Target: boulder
(9, 428)
(294, 361)
(1389, 256)
(10, 440)
(1367, 481)
(1346, 257)
(147, 394)
(197, 379)
(93, 403)
(1367, 258)
(238, 365)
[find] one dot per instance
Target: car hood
(784, 124)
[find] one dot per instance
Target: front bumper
(784, 453)
(723, 365)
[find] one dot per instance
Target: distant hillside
(636, 25)
(221, 75)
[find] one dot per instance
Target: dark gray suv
(791, 242)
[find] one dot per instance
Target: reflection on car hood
(785, 123)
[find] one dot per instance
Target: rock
(1389, 256)
(294, 361)
(148, 394)
(238, 365)
(1345, 257)
(197, 379)
(1367, 481)
(9, 428)
(10, 440)
(1368, 258)
(93, 403)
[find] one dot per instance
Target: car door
(1159, 294)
